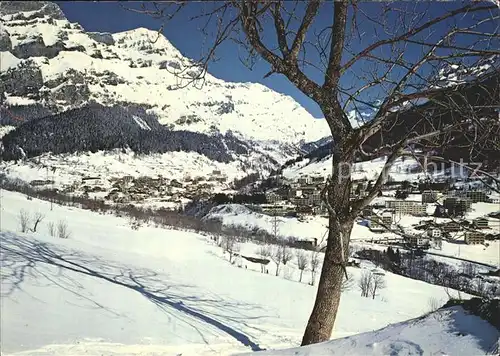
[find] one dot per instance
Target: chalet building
(480, 223)
(477, 196)
(221, 179)
(407, 207)
(273, 197)
(474, 237)
(317, 179)
(454, 203)
(39, 182)
(373, 224)
(434, 233)
(379, 223)
(280, 210)
(304, 180)
(308, 243)
(127, 179)
(429, 196)
(387, 219)
(417, 240)
(451, 226)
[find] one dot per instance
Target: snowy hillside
(69, 67)
(450, 331)
(403, 169)
(111, 290)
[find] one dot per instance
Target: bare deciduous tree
(277, 257)
(37, 219)
(231, 246)
(286, 255)
(426, 77)
(24, 219)
(52, 229)
(378, 283)
(365, 283)
(433, 304)
(301, 262)
(265, 253)
(314, 264)
(469, 269)
(63, 230)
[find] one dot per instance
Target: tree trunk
(301, 271)
(324, 313)
(320, 324)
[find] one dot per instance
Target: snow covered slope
(450, 331)
(111, 290)
(70, 67)
(403, 169)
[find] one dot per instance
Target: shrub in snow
(24, 219)
(52, 229)
(370, 283)
(62, 230)
(314, 265)
(301, 262)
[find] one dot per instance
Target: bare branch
(332, 75)
(414, 31)
(311, 11)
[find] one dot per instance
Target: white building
(407, 207)
(434, 233)
(417, 240)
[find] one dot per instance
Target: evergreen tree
(401, 194)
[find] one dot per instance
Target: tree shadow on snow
(21, 257)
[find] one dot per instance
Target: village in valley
(420, 213)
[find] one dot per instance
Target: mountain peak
(145, 39)
(30, 8)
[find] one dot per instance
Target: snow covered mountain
(472, 143)
(49, 65)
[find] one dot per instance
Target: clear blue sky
(111, 17)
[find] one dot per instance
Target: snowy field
(110, 290)
(445, 332)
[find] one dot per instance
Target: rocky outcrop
(24, 80)
(170, 64)
(35, 47)
(42, 8)
(72, 94)
(102, 37)
(70, 76)
(5, 43)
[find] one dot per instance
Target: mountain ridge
(69, 67)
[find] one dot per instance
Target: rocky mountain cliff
(53, 69)
(45, 59)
